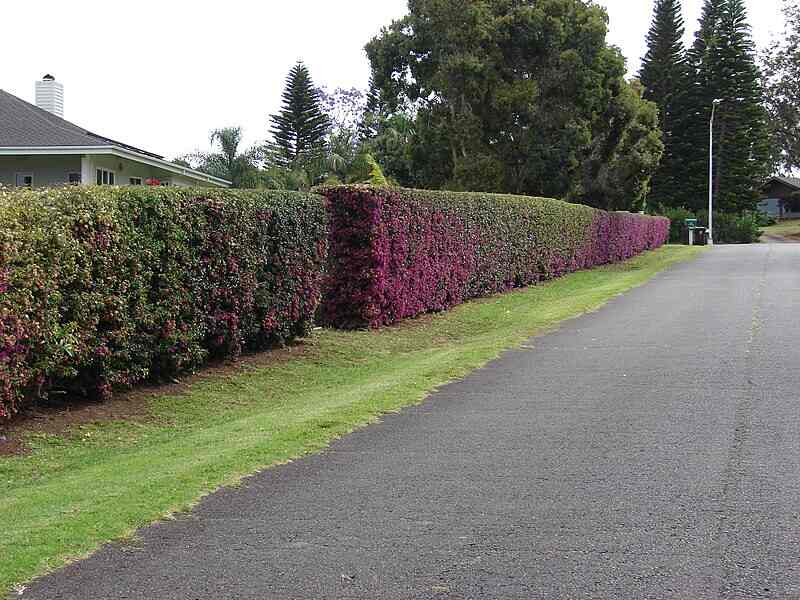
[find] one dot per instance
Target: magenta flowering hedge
(104, 287)
(396, 253)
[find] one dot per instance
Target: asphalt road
(649, 450)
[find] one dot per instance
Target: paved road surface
(649, 450)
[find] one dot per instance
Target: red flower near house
(152, 181)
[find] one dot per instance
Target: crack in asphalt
(739, 461)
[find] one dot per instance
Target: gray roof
(24, 125)
(790, 181)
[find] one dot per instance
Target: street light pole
(711, 173)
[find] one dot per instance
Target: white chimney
(50, 95)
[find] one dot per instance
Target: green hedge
(106, 287)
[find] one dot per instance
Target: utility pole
(711, 173)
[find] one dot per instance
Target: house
(782, 198)
(38, 148)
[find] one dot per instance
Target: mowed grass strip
(789, 228)
(101, 482)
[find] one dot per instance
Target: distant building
(38, 148)
(781, 198)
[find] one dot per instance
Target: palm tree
(229, 139)
(227, 163)
(237, 168)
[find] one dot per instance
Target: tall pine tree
(665, 77)
(299, 129)
(373, 112)
(724, 67)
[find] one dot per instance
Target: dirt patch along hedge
(398, 253)
(106, 287)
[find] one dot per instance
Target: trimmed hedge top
(105, 287)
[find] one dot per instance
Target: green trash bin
(700, 236)
(697, 235)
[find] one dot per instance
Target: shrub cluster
(106, 287)
(398, 253)
(729, 228)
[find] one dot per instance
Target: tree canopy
(723, 65)
(719, 66)
(521, 97)
(665, 77)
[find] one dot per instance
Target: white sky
(161, 74)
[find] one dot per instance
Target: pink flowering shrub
(101, 288)
(397, 253)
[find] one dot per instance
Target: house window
(105, 177)
(24, 180)
(74, 178)
(135, 181)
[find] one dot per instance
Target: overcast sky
(161, 74)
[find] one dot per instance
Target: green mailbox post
(691, 225)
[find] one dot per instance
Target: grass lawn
(102, 481)
(789, 228)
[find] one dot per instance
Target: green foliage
(665, 76)
(724, 67)
(374, 109)
(626, 151)
(781, 74)
(105, 287)
(390, 139)
(664, 71)
(765, 220)
(729, 228)
(228, 163)
(514, 97)
(734, 228)
(678, 232)
(376, 176)
(299, 129)
(344, 157)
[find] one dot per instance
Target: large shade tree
(625, 152)
(515, 96)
